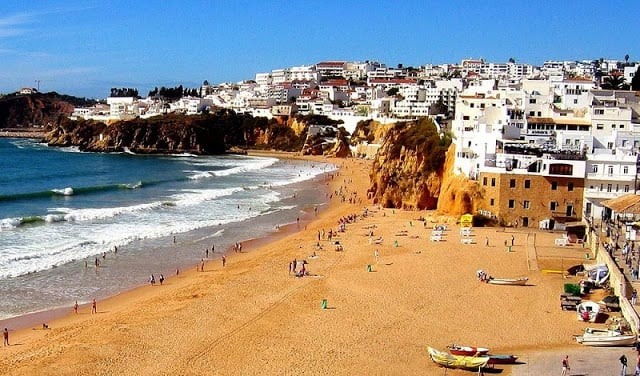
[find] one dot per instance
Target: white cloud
(68, 71)
(11, 26)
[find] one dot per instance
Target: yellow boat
(457, 361)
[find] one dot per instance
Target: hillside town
(547, 144)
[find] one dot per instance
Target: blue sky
(84, 48)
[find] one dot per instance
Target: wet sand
(254, 317)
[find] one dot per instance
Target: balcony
(610, 177)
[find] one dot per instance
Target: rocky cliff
(197, 134)
(40, 109)
(414, 170)
(174, 134)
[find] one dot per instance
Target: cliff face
(173, 135)
(21, 111)
(420, 176)
(458, 195)
(398, 182)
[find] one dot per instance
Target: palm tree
(613, 82)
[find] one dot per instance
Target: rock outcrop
(414, 170)
(26, 111)
(174, 134)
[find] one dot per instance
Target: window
(575, 101)
(512, 183)
(493, 182)
(560, 169)
(553, 205)
(465, 117)
(554, 185)
(613, 126)
(527, 183)
(532, 113)
(625, 170)
(539, 113)
(609, 187)
(599, 126)
(484, 180)
(626, 188)
(598, 111)
(609, 170)
(526, 204)
(594, 168)
(532, 100)
(512, 204)
(570, 187)
(491, 201)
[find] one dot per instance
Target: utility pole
(38, 83)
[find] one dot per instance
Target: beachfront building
(532, 188)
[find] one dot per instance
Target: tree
(393, 91)
(512, 60)
(635, 81)
(613, 82)
(626, 59)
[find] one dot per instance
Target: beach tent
(466, 220)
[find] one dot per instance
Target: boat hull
(467, 350)
(502, 359)
(507, 281)
(457, 361)
(605, 337)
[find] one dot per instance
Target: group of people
(482, 276)
(152, 279)
(293, 268)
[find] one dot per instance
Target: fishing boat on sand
(605, 337)
(509, 281)
(502, 359)
(467, 350)
(588, 311)
(457, 361)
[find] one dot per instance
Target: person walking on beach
(486, 241)
(75, 308)
(152, 280)
(623, 362)
(565, 366)
(5, 334)
(206, 253)
(224, 261)
(94, 306)
(202, 265)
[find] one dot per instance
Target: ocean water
(61, 210)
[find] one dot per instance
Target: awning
(624, 204)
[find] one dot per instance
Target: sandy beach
(254, 317)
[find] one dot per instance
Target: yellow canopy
(466, 220)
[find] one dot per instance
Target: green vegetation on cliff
(423, 137)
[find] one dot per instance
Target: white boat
(509, 281)
(597, 274)
(588, 311)
(604, 337)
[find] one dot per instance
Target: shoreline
(193, 244)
